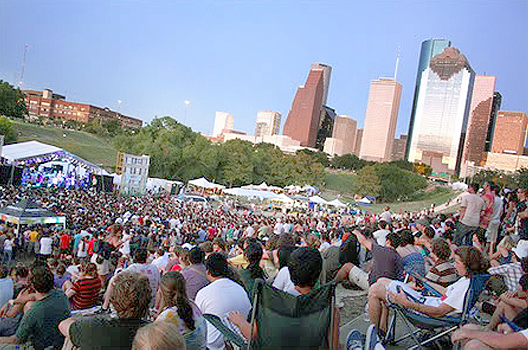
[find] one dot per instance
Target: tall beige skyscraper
(267, 124)
(343, 140)
(223, 120)
(380, 120)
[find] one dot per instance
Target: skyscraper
(398, 150)
(345, 130)
(267, 124)
(359, 138)
(327, 72)
(380, 120)
(430, 48)
(223, 120)
(303, 119)
(495, 107)
(510, 132)
(326, 126)
(438, 129)
(479, 118)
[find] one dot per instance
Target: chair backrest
(286, 321)
(477, 283)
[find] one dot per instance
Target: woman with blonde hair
(176, 308)
(159, 335)
(504, 253)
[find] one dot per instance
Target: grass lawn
(95, 149)
(423, 200)
(343, 184)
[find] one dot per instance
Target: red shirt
(87, 293)
(90, 246)
(65, 241)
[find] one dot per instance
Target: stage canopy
(32, 153)
(28, 212)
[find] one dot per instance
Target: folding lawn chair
(436, 327)
(285, 321)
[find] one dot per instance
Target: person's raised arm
(362, 239)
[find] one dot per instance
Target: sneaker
(354, 340)
(373, 341)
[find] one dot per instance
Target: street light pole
(187, 102)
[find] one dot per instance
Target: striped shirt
(86, 293)
(443, 273)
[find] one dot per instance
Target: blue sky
(246, 56)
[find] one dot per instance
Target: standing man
(522, 214)
(493, 228)
(472, 208)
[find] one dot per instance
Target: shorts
(492, 232)
(359, 277)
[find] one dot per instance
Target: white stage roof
(27, 149)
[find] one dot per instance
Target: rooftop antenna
(397, 62)
(21, 81)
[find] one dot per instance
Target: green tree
(11, 101)
(113, 126)
(350, 162)
(368, 182)
(239, 168)
(8, 130)
(397, 183)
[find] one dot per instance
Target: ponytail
(185, 311)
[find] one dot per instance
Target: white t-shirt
(219, 298)
(152, 273)
(8, 244)
(45, 245)
(453, 297)
(525, 333)
(380, 236)
(386, 216)
(278, 228)
(283, 281)
(474, 204)
(497, 209)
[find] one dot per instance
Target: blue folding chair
(437, 328)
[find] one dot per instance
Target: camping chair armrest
(225, 330)
(512, 325)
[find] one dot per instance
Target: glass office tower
(430, 48)
(441, 113)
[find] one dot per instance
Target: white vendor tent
(337, 203)
(284, 198)
(317, 200)
(365, 201)
(204, 183)
(243, 192)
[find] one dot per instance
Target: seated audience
(176, 308)
(510, 304)
(130, 297)
(443, 271)
(220, 297)
(159, 336)
(84, 292)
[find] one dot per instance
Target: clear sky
(245, 56)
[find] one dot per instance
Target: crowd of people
(140, 272)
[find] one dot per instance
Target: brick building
(510, 132)
(47, 104)
(303, 119)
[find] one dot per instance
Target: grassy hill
(93, 148)
(343, 183)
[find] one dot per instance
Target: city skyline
(120, 55)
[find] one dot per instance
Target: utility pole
(21, 81)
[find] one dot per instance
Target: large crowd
(140, 272)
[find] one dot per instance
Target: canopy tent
(337, 203)
(204, 183)
(317, 200)
(33, 153)
(28, 212)
(244, 192)
(284, 198)
(364, 201)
